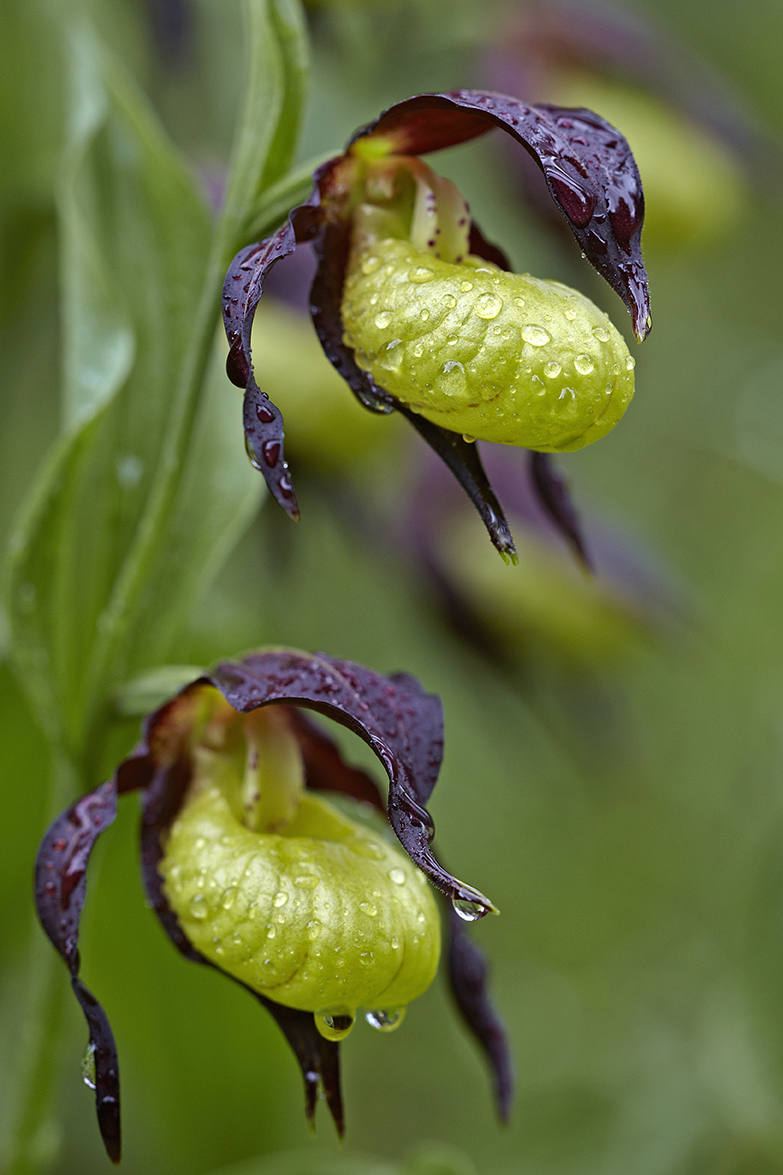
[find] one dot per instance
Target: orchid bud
(301, 903)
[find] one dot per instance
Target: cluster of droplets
(489, 354)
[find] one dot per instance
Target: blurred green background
(626, 817)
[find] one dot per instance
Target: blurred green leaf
(135, 237)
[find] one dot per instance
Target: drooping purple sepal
(401, 723)
(242, 289)
(469, 986)
(588, 166)
(552, 493)
(60, 887)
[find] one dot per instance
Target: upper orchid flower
(418, 312)
(311, 908)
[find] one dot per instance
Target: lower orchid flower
(419, 314)
(307, 902)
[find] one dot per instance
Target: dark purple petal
(553, 494)
(60, 886)
(400, 722)
(464, 460)
(318, 1058)
(588, 166)
(468, 980)
(242, 290)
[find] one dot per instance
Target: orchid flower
(316, 910)
(419, 314)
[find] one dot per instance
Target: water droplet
(383, 319)
(630, 363)
(488, 305)
(418, 350)
(424, 314)
(420, 274)
(452, 380)
(449, 301)
(601, 334)
(520, 302)
(366, 958)
(570, 315)
(197, 906)
(452, 340)
(552, 370)
(468, 911)
(466, 287)
(198, 843)
(395, 943)
(536, 336)
(584, 364)
(467, 437)
(369, 909)
(306, 881)
(270, 931)
(391, 356)
(334, 1023)
(313, 928)
(370, 264)
(280, 898)
(397, 876)
(88, 1065)
(385, 1019)
(229, 895)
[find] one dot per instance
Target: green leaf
(272, 114)
(128, 468)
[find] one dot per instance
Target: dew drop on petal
(630, 363)
(535, 335)
(583, 364)
(488, 306)
(397, 876)
(197, 906)
(369, 909)
(552, 370)
(601, 333)
(383, 319)
(385, 1019)
(466, 287)
(420, 274)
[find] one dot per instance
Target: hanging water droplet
(601, 334)
(584, 364)
(468, 911)
(383, 319)
(88, 1065)
(197, 906)
(385, 1019)
(334, 1023)
(535, 335)
(397, 876)
(488, 305)
(467, 437)
(552, 370)
(420, 274)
